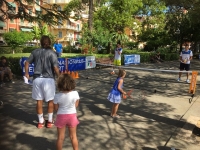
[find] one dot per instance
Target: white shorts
(43, 89)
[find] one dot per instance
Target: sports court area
(160, 114)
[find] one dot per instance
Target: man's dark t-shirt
(44, 62)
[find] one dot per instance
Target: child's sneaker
(179, 79)
(188, 81)
(41, 125)
(112, 72)
(50, 124)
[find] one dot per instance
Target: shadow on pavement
(18, 114)
(35, 143)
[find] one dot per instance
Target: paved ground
(149, 121)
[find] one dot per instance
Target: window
(22, 20)
(78, 27)
(12, 20)
(12, 29)
(38, 12)
(60, 21)
(37, 1)
(30, 11)
(1, 28)
(60, 34)
(59, 8)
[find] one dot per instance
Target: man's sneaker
(188, 81)
(41, 125)
(11, 81)
(179, 79)
(50, 124)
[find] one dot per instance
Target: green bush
(9, 50)
(71, 49)
(14, 65)
(28, 49)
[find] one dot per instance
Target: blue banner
(131, 59)
(75, 64)
(61, 63)
(22, 64)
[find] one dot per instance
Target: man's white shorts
(43, 89)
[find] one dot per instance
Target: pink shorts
(69, 120)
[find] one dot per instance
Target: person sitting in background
(5, 70)
(157, 57)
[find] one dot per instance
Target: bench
(104, 60)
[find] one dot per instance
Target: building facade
(68, 33)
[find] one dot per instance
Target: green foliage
(9, 50)
(49, 14)
(14, 65)
(28, 49)
(15, 38)
(71, 49)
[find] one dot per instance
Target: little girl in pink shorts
(65, 103)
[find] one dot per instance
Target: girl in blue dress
(116, 92)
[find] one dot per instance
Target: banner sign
(22, 64)
(131, 59)
(193, 82)
(90, 62)
(75, 64)
(61, 63)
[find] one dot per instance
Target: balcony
(67, 38)
(69, 27)
(56, 1)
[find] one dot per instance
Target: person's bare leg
(2, 75)
(188, 75)
(50, 106)
(50, 111)
(114, 109)
(60, 137)
(39, 108)
(10, 74)
(73, 137)
(180, 73)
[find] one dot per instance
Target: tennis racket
(128, 94)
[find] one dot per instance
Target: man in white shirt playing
(185, 57)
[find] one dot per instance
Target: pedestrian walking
(45, 67)
(116, 92)
(65, 103)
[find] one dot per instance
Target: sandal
(40, 125)
(50, 124)
(112, 72)
(116, 116)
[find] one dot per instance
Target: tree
(14, 38)
(50, 14)
(183, 14)
(153, 25)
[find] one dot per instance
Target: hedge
(13, 59)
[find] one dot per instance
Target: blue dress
(115, 95)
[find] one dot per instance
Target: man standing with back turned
(45, 66)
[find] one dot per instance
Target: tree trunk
(90, 20)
